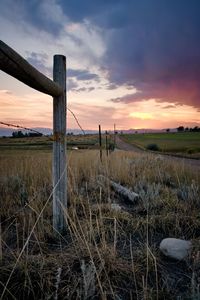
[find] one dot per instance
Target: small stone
(175, 248)
(116, 207)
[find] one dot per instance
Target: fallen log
(122, 191)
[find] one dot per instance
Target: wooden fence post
(59, 146)
(100, 143)
(114, 136)
(106, 142)
(15, 65)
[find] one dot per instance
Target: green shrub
(191, 151)
(153, 147)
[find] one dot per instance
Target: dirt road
(125, 146)
(128, 147)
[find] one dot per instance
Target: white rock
(116, 207)
(175, 248)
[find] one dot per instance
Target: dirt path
(128, 147)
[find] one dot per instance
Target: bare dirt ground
(121, 145)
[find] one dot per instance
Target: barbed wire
(21, 127)
(38, 132)
(76, 119)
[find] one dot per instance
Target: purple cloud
(82, 75)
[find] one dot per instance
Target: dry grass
(105, 253)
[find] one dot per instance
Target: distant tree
(167, 130)
(196, 129)
(33, 134)
(180, 129)
(17, 134)
(20, 134)
(136, 131)
(186, 129)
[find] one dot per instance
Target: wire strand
(36, 131)
(19, 126)
(76, 119)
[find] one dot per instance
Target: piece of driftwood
(122, 191)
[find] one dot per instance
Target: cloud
(39, 61)
(82, 74)
(150, 45)
(112, 86)
(42, 26)
(147, 44)
(84, 89)
(71, 84)
(7, 92)
(176, 92)
(169, 106)
(91, 115)
(44, 15)
(158, 51)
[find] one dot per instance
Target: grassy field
(186, 142)
(45, 142)
(107, 252)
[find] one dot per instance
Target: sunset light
(100, 149)
(137, 82)
(142, 115)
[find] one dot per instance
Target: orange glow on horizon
(35, 110)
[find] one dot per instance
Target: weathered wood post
(59, 146)
(15, 65)
(100, 143)
(106, 142)
(114, 136)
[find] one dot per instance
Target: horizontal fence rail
(15, 65)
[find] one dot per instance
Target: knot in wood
(59, 137)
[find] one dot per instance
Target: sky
(129, 62)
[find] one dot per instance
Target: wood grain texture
(100, 143)
(15, 65)
(59, 146)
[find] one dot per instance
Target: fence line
(38, 132)
(16, 66)
(19, 126)
(76, 119)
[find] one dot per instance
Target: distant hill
(146, 130)
(46, 131)
(8, 131)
